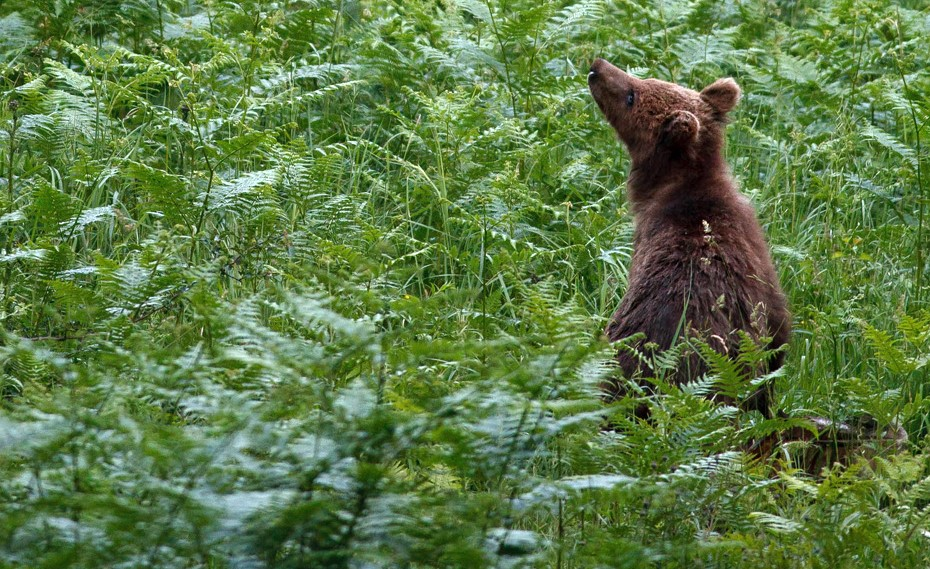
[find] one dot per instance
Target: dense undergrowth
(322, 284)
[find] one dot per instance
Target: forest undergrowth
(322, 283)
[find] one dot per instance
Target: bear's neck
(672, 175)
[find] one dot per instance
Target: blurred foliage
(320, 283)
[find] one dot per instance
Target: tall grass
(322, 284)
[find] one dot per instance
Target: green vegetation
(321, 283)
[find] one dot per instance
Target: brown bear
(701, 267)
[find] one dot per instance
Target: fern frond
(573, 20)
(888, 350)
(872, 132)
(242, 192)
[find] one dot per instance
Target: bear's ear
(722, 95)
(680, 128)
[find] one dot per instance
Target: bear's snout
(594, 72)
(608, 77)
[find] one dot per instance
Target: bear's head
(662, 123)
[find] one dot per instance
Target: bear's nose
(593, 72)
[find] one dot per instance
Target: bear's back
(701, 268)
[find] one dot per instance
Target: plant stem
(921, 198)
(13, 105)
(500, 42)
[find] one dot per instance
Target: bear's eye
(630, 98)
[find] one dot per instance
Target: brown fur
(825, 443)
(701, 266)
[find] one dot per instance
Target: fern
(886, 140)
(891, 352)
(323, 283)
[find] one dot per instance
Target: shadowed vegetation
(322, 283)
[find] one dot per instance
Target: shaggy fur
(701, 267)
